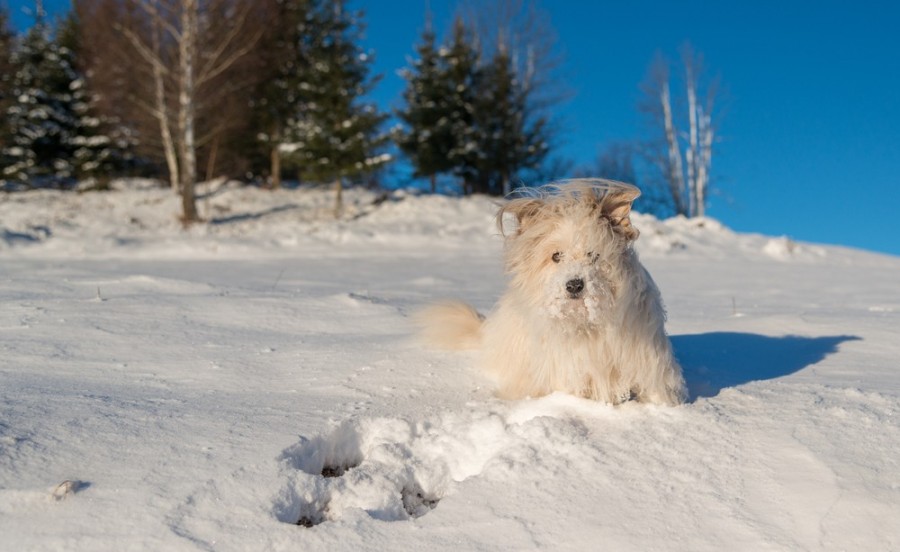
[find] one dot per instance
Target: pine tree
(428, 138)
(41, 119)
(473, 118)
(462, 71)
(508, 139)
(334, 135)
(279, 92)
(100, 146)
(7, 43)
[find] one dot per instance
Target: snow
(172, 389)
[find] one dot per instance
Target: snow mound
(395, 469)
(784, 248)
(139, 218)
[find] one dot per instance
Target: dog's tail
(450, 325)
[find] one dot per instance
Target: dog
(581, 314)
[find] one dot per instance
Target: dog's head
(567, 249)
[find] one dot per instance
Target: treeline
(261, 90)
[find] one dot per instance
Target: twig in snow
(278, 279)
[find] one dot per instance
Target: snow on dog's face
(566, 253)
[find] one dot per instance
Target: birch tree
(682, 157)
(181, 50)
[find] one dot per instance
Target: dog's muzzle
(574, 287)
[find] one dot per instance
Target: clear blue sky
(811, 133)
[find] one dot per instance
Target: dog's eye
(556, 257)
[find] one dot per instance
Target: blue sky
(810, 137)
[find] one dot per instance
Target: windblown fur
(581, 314)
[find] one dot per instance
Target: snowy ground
(209, 389)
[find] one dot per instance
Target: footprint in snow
(394, 469)
(356, 466)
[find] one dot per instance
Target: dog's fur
(605, 341)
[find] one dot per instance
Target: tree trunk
(676, 178)
(186, 111)
(693, 152)
(275, 158)
(211, 161)
(162, 108)
(338, 198)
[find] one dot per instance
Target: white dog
(581, 314)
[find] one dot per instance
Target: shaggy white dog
(581, 314)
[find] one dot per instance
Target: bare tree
(683, 158)
(181, 50)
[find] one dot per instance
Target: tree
(278, 94)
(615, 161)
(520, 32)
(509, 137)
(41, 117)
(7, 43)
(460, 59)
(620, 161)
(683, 159)
(334, 135)
(184, 57)
(518, 58)
(440, 133)
(473, 114)
(428, 113)
(100, 145)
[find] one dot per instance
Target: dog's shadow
(718, 360)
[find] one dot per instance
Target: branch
(151, 9)
(148, 55)
(154, 112)
(210, 70)
(211, 73)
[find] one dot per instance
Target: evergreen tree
(428, 138)
(279, 92)
(334, 135)
(508, 139)
(41, 120)
(441, 128)
(100, 146)
(462, 71)
(53, 137)
(473, 118)
(7, 43)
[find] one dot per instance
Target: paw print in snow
(394, 469)
(367, 465)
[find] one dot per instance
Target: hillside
(209, 388)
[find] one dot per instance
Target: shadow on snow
(718, 360)
(242, 217)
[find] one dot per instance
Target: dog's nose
(575, 286)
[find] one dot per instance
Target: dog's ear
(524, 209)
(615, 207)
